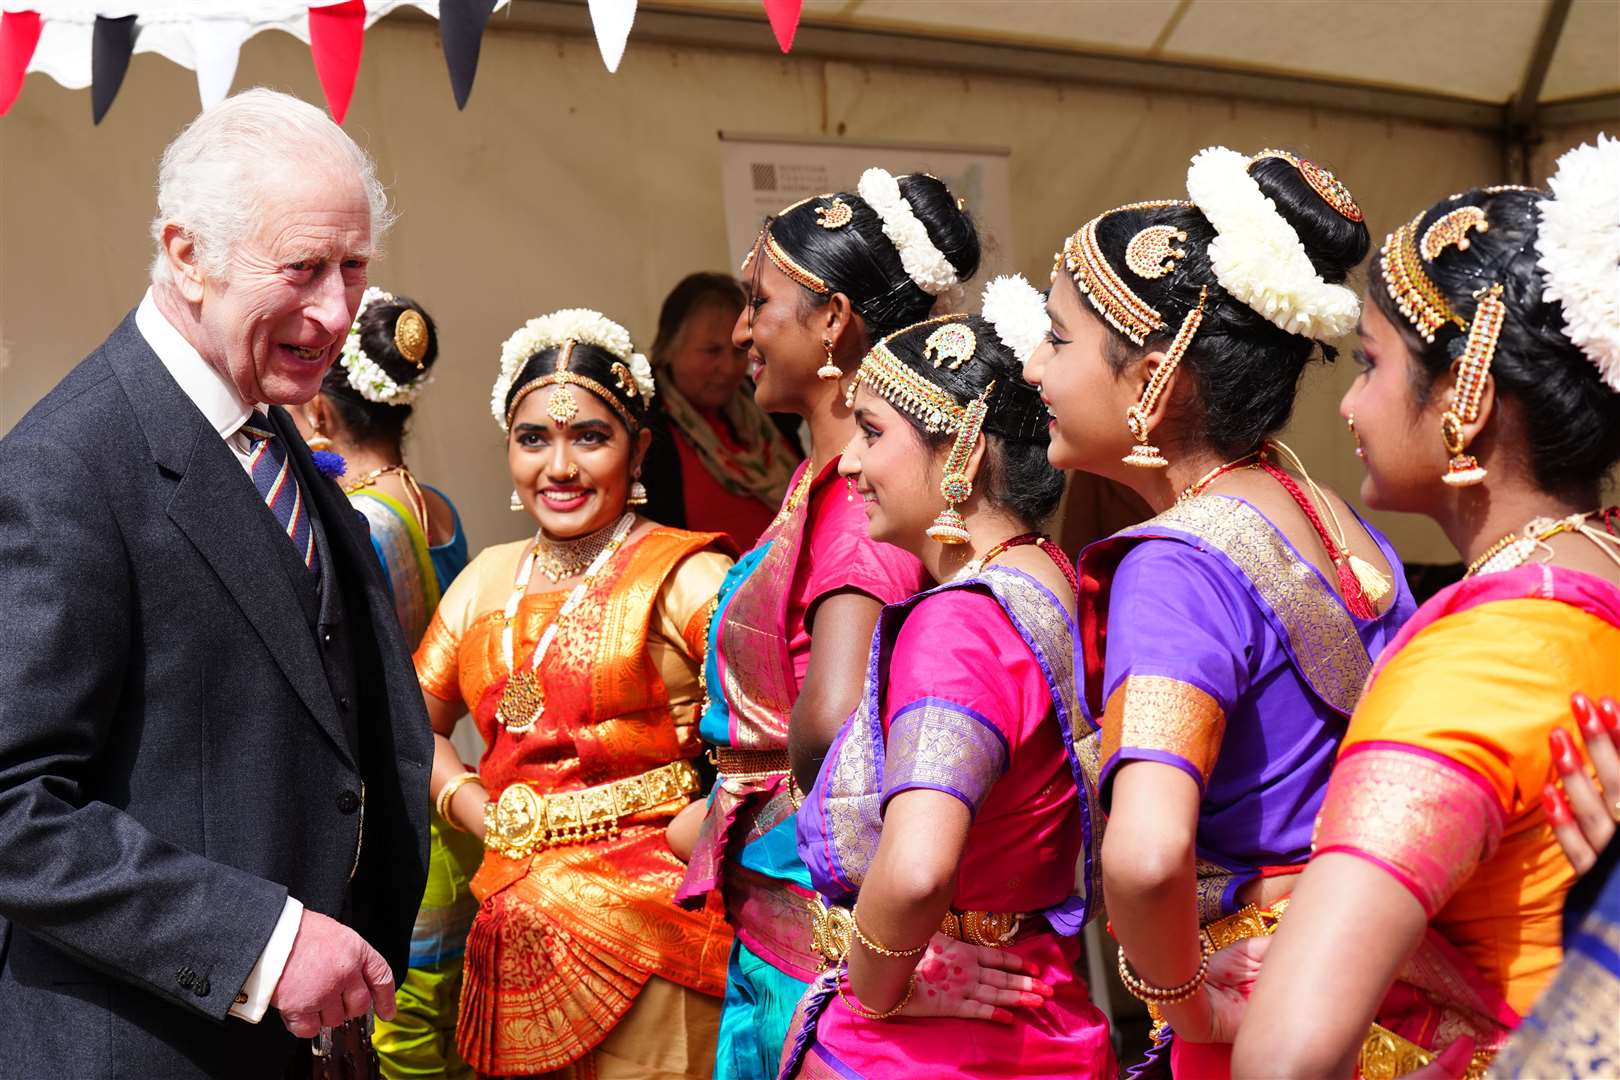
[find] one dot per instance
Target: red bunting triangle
(19, 33)
(784, 16)
(336, 33)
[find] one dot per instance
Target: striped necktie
(273, 476)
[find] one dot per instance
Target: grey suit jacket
(173, 760)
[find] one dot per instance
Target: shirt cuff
(253, 1000)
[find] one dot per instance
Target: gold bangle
(448, 792)
(1145, 991)
(861, 1010)
(881, 950)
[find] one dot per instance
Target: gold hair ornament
(411, 336)
(1409, 285)
(1473, 366)
(956, 486)
(950, 345)
(1097, 280)
(1151, 253)
(1451, 229)
(1144, 455)
(835, 215)
(895, 382)
(784, 262)
(1329, 187)
(564, 405)
(624, 380)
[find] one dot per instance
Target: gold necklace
(413, 490)
(558, 559)
(1516, 548)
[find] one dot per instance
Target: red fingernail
(1552, 802)
(1586, 715)
(1563, 749)
(1610, 711)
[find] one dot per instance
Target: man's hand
(331, 975)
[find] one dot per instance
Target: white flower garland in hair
(1017, 311)
(364, 374)
(1578, 248)
(1258, 257)
(924, 263)
(580, 325)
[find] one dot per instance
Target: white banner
(760, 176)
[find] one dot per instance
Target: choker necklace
(1516, 548)
(558, 559)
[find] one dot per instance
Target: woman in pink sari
(946, 826)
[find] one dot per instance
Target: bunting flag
(216, 44)
(19, 34)
(611, 19)
(461, 31)
(110, 48)
(784, 16)
(336, 34)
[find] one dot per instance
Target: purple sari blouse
(1213, 647)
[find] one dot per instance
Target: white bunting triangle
(611, 20)
(216, 45)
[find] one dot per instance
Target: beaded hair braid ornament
(1425, 307)
(1150, 254)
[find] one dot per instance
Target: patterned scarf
(764, 465)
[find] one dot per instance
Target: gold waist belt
(1384, 1055)
(523, 819)
(748, 764)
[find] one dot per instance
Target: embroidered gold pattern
(937, 746)
(1425, 819)
(1155, 712)
(1326, 648)
(1573, 1030)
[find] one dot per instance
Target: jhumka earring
(955, 485)
(319, 441)
(516, 504)
(1464, 470)
(638, 491)
(829, 370)
(1144, 455)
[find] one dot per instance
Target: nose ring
(1350, 422)
(849, 489)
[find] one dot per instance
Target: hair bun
(949, 225)
(1335, 243)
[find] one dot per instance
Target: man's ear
(181, 254)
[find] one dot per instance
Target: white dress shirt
(225, 410)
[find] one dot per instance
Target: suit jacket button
(201, 988)
(348, 802)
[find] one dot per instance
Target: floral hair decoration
(924, 263)
(1578, 249)
(562, 330)
(364, 375)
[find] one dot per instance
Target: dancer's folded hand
(973, 982)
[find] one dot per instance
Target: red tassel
(336, 33)
(19, 34)
(784, 16)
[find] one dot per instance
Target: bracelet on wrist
(876, 947)
(862, 1011)
(442, 804)
(1145, 991)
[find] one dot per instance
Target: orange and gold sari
(567, 939)
(1439, 783)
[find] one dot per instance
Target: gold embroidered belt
(748, 764)
(1384, 1055)
(522, 819)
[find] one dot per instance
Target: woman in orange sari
(578, 654)
(1433, 898)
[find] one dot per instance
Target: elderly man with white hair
(213, 754)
